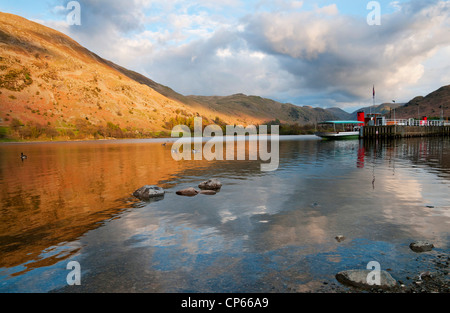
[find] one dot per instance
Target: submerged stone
(190, 192)
(147, 192)
(208, 192)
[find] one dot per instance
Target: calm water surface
(263, 232)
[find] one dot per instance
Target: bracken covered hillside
(48, 81)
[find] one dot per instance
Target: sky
(325, 53)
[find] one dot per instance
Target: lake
(263, 232)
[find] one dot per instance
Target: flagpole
(374, 96)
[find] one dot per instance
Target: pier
(377, 126)
(403, 131)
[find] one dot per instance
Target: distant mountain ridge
(383, 109)
(241, 105)
(341, 114)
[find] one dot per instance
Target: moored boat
(341, 130)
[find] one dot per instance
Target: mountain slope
(434, 104)
(47, 78)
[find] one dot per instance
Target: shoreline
(150, 139)
(435, 281)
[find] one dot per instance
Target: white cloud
(223, 53)
(257, 55)
(59, 9)
(277, 5)
(343, 56)
(331, 10)
(396, 5)
(299, 35)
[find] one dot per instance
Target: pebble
(190, 192)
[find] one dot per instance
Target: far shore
(151, 139)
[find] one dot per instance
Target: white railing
(412, 122)
(425, 123)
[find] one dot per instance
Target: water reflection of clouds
(415, 188)
(294, 213)
(274, 211)
(164, 233)
(296, 229)
(227, 216)
(421, 206)
(403, 185)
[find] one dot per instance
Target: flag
(374, 92)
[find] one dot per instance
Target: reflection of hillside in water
(63, 190)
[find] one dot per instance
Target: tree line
(83, 129)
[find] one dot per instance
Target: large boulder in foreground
(210, 184)
(358, 279)
(148, 192)
(421, 246)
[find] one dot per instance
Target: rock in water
(339, 238)
(190, 192)
(421, 246)
(359, 279)
(208, 192)
(147, 192)
(210, 184)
